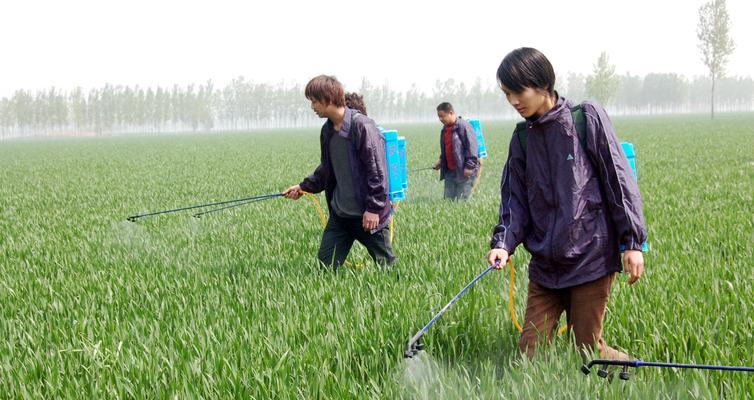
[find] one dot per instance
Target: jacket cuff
(304, 185)
(632, 245)
(498, 244)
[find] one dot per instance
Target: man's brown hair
(326, 89)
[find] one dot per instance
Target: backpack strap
(352, 128)
(521, 132)
(579, 121)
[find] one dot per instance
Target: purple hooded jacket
(571, 207)
(366, 153)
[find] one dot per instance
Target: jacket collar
(345, 129)
(561, 104)
(455, 125)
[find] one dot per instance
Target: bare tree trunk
(712, 113)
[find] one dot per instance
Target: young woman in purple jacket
(572, 203)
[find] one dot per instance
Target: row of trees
(672, 92)
(658, 92)
(244, 104)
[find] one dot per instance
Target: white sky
(69, 43)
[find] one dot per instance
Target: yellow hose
(478, 177)
(319, 208)
(510, 298)
(392, 220)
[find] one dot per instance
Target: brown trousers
(584, 306)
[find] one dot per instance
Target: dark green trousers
(339, 235)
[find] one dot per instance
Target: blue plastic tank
(481, 146)
(395, 180)
(403, 167)
(628, 150)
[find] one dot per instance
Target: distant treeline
(244, 104)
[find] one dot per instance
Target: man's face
(447, 118)
(320, 108)
(528, 103)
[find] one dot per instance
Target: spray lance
(626, 364)
(421, 169)
(260, 198)
(414, 345)
(226, 204)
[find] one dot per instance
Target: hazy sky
(88, 43)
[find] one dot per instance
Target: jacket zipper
(555, 198)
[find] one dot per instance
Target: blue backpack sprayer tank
(481, 146)
(395, 151)
(481, 149)
(628, 150)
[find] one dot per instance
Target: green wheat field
(234, 305)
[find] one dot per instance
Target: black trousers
(339, 236)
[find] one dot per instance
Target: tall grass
(233, 304)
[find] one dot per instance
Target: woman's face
(530, 102)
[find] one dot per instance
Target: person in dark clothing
(353, 174)
(458, 162)
(571, 204)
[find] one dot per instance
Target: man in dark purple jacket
(570, 205)
(353, 174)
(458, 162)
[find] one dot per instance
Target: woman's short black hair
(526, 68)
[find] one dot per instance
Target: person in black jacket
(458, 162)
(571, 202)
(353, 174)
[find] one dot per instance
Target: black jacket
(368, 165)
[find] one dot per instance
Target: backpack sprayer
(395, 152)
(628, 150)
(481, 150)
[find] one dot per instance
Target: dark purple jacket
(368, 165)
(571, 207)
(464, 148)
